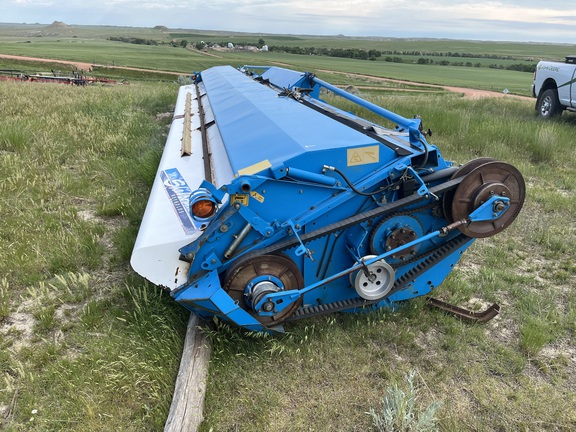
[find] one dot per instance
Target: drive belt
(353, 220)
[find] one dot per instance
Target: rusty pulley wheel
(462, 171)
(481, 183)
(267, 274)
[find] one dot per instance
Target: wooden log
(188, 401)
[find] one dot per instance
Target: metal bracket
(423, 189)
(256, 221)
(302, 249)
(491, 209)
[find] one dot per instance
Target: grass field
(90, 44)
(514, 373)
(86, 345)
(83, 343)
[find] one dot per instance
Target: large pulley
(249, 281)
(484, 179)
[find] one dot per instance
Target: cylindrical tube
(236, 242)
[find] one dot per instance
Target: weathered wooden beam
(188, 400)
(186, 131)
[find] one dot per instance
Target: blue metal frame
(302, 165)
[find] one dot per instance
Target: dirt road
(86, 66)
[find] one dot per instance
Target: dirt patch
(86, 66)
(20, 326)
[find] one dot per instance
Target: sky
(505, 20)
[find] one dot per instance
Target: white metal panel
(165, 227)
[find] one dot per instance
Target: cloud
(520, 20)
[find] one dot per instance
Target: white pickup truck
(554, 87)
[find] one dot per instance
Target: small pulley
(373, 281)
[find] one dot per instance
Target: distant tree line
(354, 53)
(394, 56)
(520, 67)
(133, 40)
(139, 41)
(449, 54)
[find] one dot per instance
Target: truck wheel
(549, 105)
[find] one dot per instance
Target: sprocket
(393, 232)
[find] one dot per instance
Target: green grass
(514, 373)
(89, 346)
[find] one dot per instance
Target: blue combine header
(272, 205)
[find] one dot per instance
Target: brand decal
(549, 68)
(179, 192)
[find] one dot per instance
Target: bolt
(499, 206)
(190, 256)
(213, 261)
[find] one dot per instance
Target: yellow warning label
(241, 198)
(256, 168)
(363, 155)
(257, 196)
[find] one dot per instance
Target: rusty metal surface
(239, 277)
(484, 181)
(465, 314)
